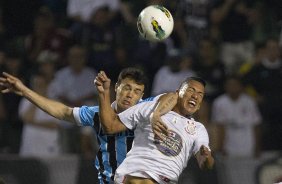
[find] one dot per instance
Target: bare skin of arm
(204, 158)
(110, 121)
(28, 118)
(56, 109)
(108, 118)
(165, 104)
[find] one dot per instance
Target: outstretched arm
(204, 158)
(58, 110)
(108, 118)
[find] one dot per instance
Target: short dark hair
(135, 74)
(194, 78)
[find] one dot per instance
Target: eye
(126, 88)
(138, 92)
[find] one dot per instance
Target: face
(128, 93)
(190, 98)
(233, 88)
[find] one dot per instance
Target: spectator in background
(40, 137)
(238, 119)
(99, 35)
(208, 66)
(170, 76)
(81, 11)
(45, 36)
(231, 19)
(194, 17)
(84, 93)
(265, 79)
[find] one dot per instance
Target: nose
(129, 94)
(195, 95)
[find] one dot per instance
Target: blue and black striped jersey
(112, 148)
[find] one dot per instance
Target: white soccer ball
(155, 23)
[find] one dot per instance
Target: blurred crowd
(56, 47)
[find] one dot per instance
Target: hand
(102, 82)
(205, 154)
(158, 126)
(11, 84)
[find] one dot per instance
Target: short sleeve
(84, 115)
(202, 139)
(139, 113)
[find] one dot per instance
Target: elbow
(107, 125)
(107, 129)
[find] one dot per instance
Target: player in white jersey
(158, 159)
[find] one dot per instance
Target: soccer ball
(155, 23)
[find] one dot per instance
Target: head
(129, 88)
(77, 57)
(207, 51)
(233, 86)
(190, 96)
(272, 49)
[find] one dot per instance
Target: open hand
(11, 84)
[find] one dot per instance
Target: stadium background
(28, 29)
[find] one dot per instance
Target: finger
(105, 77)
(98, 83)
(8, 75)
(101, 77)
(2, 79)
(104, 74)
(164, 130)
(5, 91)
(159, 135)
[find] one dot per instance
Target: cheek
(136, 98)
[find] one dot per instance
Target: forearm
(55, 109)
(165, 104)
(106, 112)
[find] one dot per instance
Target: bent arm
(165, 104)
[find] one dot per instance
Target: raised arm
(108, 118)
(56, 109)
(165, 104)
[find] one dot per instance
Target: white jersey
(161, 160)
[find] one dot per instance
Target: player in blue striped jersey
(112, 148)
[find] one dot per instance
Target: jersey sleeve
(139, 113)
(84, 115)
(202, 139)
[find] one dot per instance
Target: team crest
(191, 127)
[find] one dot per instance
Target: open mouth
(192, 103)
